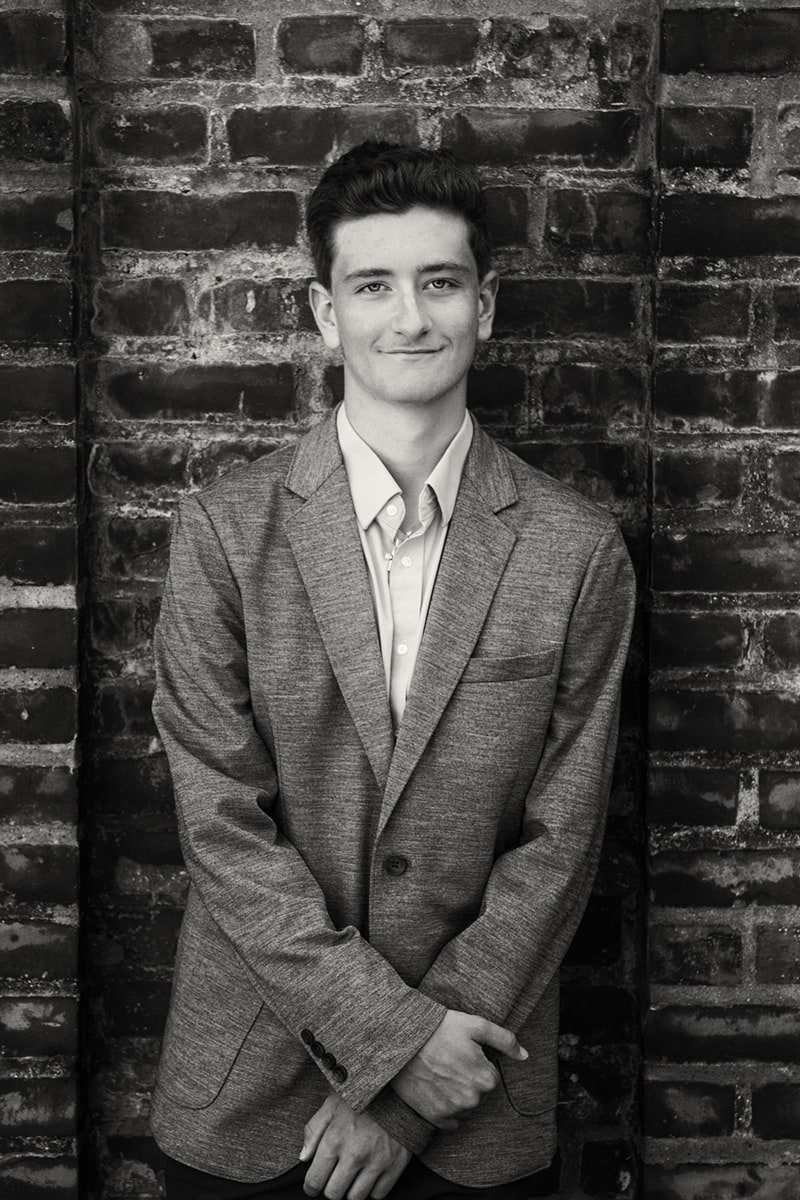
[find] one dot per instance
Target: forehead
(401, 241)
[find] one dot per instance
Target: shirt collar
(371, 484)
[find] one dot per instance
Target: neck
(408, 439)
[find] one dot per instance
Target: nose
(410, 317)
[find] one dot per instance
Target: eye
(442, 285)
(371, 288)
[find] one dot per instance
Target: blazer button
(340, 1072)
(317, 1049)
(395, 864)
(307, 1036)
(328, 1060)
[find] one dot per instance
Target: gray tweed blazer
(347, 889)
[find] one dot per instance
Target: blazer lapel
(475, 555)
(324, 539)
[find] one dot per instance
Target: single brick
(776, 1111)
(37, 795)
(702, 312)
(31, 43)
(577, 394)
(40, 1025)
(118, 470)
(726, 1034)
(35, 310)
(724, 720)
(122, 709)
(262, 391)
(789, 131)
(137, 548)
(779, 799)
(45, 874)
(249, 306)
(123, 624)
(173, 133)
(688, 1109)
(730, 40)
(705, 136)
(217, 459)
(721, 878)
(306, 136)
(598, 222)
(37, 714)
(153, 307)
(603, 138)
(126, 788)
(608, 1168)
(37, 637)
(721, 226)
(202, 49)
(35, 131)
(692, 639)
(718, 399)
(43, 1107)
(697, 480)
(782, 642)
(530, 52)
(31, 222)
(42, 949)
(321, 45)
(719, 1181)
(598, 940)
(38, 554)
(545, 308)
(777, 954)
(601, 471)
(694, 954)
(496, 394)
(136, 1008)
(691, 795)
(727, 562)
(598, 1014)
(428, 42)
(46, 393)
(37, 474)
(170, 221)
(787, 317)
(507, 214)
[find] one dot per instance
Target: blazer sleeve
(499, 966)
(323, 983)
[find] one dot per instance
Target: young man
(388, 668)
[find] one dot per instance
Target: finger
(386, 1181)
(489, 1034)
(319, 1173)
(363, 1184)
(341, 1178)
(314, 1130)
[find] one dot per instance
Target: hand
(350, 1150)
(450, 1075)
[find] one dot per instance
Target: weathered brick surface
(643, 205)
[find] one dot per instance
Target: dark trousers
(417, 1182)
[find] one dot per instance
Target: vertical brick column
(38, 820)
(723, 1033)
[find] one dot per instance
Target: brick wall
(645, 351)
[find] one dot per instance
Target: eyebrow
(455, 268)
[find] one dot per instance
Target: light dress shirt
(402, 555)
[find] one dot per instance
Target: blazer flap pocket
(520, 666)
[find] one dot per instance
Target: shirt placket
(405, 562)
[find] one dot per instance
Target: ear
(321, 303)
(487, 296)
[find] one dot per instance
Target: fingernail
(303, 1154)
(523, 1053)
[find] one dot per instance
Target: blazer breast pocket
(518, 666)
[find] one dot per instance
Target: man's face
(405, 306)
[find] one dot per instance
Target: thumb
(489, 1034)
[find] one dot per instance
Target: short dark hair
(380, 177)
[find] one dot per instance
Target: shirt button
(395, 864)
(406, 560)
(402, 648)
(392, 510)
